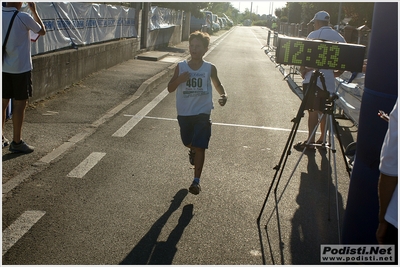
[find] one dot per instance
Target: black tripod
(327, 111)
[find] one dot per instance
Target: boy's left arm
(218, 86)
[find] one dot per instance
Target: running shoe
(195, 188)
(22, 147)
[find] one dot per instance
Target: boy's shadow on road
(150, 251)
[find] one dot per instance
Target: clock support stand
(331, 126)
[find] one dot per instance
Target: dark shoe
(195, 188)
(22, 147)
(301, 145)
(192, 153)
(6, 142)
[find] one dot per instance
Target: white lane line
(86, 165)
(20, 227)
(256, 38)
(230, 124)
(256, 127)
(57, 152)
(124, 130)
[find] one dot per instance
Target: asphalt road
(120, 195)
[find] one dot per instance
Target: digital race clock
(320, 54)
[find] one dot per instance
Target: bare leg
(5, 104)
(312, 122)
(198, 168)
(323, 129)
(199, 161)
(18, 118)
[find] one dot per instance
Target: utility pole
(271, 8)
(339, 15)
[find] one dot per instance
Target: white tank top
(195, 96)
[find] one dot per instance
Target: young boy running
(192, 82)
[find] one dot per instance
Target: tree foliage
(359, 13)
(221, 8)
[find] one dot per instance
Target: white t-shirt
(18, 48)
(195, 96)
(389, 162)
(325, 33)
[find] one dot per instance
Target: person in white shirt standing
(17, 67)
(387, 186)
(322, 31)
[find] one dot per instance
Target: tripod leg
(297, 163)
(283, 159)
(309, 92)
(286, 152)
(284, 156)
(333, 151)
(328, 146)
(348, 168)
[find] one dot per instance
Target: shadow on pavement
(11, 155)
(295, 238)
(150, 251)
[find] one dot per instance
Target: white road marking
(257, 38)
(56, 152)
(256, 127)
(50, 113)
(124, 130)
(20, 227)
(86, 165)
(228, 124)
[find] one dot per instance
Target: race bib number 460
(196, 85)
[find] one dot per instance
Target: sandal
(301, 145)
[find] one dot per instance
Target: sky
(259, 7)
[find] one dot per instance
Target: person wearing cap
(322, 31)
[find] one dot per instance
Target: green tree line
(355, 13)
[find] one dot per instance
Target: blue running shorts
(195, 130)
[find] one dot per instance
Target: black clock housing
(319, 54)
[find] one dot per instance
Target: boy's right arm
(177, 79)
